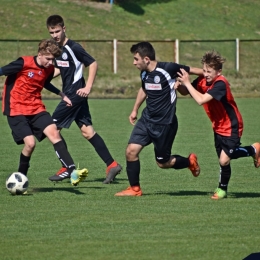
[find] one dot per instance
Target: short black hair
(145, 49)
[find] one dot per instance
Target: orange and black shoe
(256, 156)
(112, 171)
(60, 175)
(130, 191)
(194, 166)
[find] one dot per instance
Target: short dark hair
(54, 20)
(145, 49)
(49, 46)
(213, 59)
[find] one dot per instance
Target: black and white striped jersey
(161, 95)
(71, 63)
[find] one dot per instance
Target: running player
(70, 66)
(213, 92)
(158, 123)
(25, 111)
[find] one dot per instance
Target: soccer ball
(17, 183)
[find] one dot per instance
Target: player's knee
(30, 145)
(131, 154)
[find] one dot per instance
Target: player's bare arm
(196, 71)
(56, 73)
(198, 97)
(141, 96)
(84, 92)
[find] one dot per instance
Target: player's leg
(225, 146)
(43, 126)
(84, 122)
(113, 168)
(22, 134)
(63, 117)
(163, 138)
(138, 139)
(245, 151)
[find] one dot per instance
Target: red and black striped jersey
(24, 83)
(222, 110)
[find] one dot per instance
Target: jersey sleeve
(82, 55)
(218, 91)
(173, 68)
(13, 67)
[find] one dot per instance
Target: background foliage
(133, 21)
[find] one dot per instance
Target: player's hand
(83, 92)
(133, 117)
(184, 77)
(66, 99)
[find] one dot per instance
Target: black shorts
(64, 115)
(23, 126)
(226, 143)
(162, 137)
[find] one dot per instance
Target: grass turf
(174, 219)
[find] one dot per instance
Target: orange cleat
(256, 157)
(194, 166)
(130, 191)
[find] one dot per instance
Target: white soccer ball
(17, 183)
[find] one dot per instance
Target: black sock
(225, 174)
(133, 172)
(101, 149)
(243, 152)
(181, 162)
(65, 146)
(24, 164)
(64, 141)
(64, 156)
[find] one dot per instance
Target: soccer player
(158, 123)
(213, 92)
(70, 66)
(25, 111)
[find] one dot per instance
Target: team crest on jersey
(40, 72)
(30, 74)
(64, 56)
(231, 151)
(157, 79)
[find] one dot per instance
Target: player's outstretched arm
(196, 71)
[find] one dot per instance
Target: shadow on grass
(73, 190)
(234, 195)
(135, 7)
(116, 181)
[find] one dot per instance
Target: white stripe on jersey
(79, 66)
(171, 83)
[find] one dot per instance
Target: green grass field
(174, 219)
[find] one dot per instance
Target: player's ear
(219, 72)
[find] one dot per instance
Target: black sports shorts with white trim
(226, 143)
(64, 115)
(23, 126)
(162, 137)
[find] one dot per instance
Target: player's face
(45, 60)
(139, 62)
(58, 34)
(209, 73)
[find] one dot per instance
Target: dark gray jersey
(161, 95)
(71, 63)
